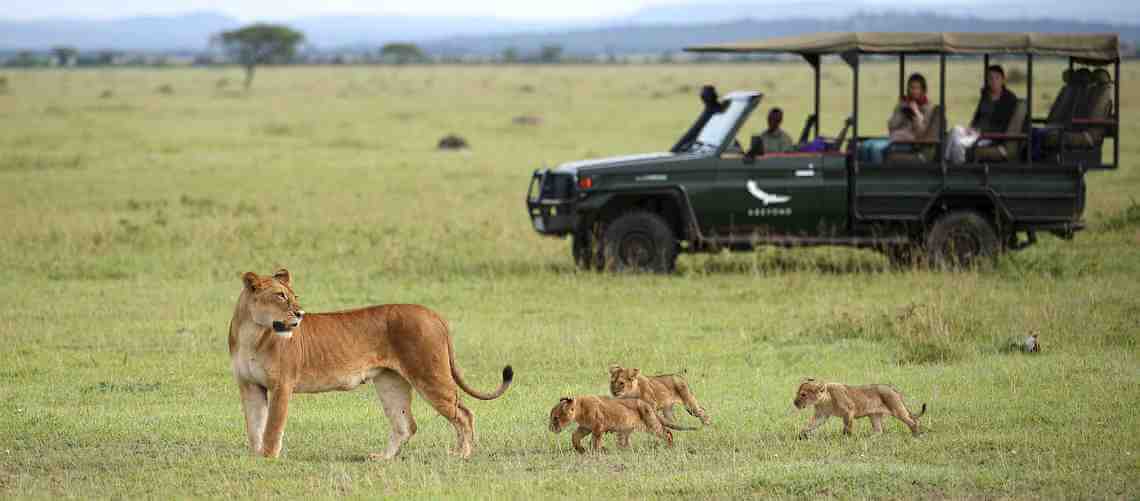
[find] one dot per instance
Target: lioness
(851, 402)
(662, 391)
(399, 347)
(600, 415)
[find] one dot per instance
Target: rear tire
(962, 239)
(639, 241)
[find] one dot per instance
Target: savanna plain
(132, 199)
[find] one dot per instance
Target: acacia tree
(64, 55)
(259, 44)
(403, 53)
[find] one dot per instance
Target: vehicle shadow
(785, 264)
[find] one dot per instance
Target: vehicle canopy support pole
(942, 109)
(1070, 65)
(852, 60)
(1116, 116)
(1029, 108)
(902, 72)
(813, 60)
(985, 68)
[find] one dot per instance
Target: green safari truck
(708, 192)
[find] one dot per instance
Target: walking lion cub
(662, 391)
(601, 415)
(851, 402)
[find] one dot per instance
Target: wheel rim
(962, 247)
(636, 250)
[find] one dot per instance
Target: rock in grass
(1027, 344)
(452, 142)
(529, 120)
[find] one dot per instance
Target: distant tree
(25, 59)
(105, 57)
(402, 53)
(550, 54)
(510, 55)
(64, 56)
(259, 44)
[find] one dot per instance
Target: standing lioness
(851, 402)
(399, 347)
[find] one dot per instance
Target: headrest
(1081, 76)
(1101, 76)
(1067, 76)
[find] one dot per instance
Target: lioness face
(562, 414)
(272, 303)
(623, 382)
(807, 394)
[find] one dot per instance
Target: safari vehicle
(707, 193)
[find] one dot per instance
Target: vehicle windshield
(717, 129)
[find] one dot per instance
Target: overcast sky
(249, 10)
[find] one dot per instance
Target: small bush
(452, 142)
(1125, 218)
(165, 89)
(924, 333)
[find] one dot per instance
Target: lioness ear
(566, 399)
(635, 372)
(250, 279)
(284, 277)
(614, 369)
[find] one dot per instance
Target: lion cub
(662, 391)
(851, 402)
(599, 415)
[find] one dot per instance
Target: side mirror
(755, 149)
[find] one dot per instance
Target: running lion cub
(662, 391)
(851, 402)
(600, 415)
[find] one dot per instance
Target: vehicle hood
(622, 160)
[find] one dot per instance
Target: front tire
(639, 241)
(962, 239)
(584, 251)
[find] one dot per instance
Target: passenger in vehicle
(908, 122)
(995, 110)
(775, 139)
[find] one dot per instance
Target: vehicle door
(776, 194)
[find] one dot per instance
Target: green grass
(127, 220)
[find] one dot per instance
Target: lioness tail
(508, 374)
(920, 413)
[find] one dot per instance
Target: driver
(775, 139)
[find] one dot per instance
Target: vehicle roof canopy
(1100, 48)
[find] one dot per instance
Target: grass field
(132, 200)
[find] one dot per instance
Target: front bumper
(550, 203)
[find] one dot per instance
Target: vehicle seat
(1008, 149)
(1071, 102)
(1062, 107)
(924, 149)
(1098, 105)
